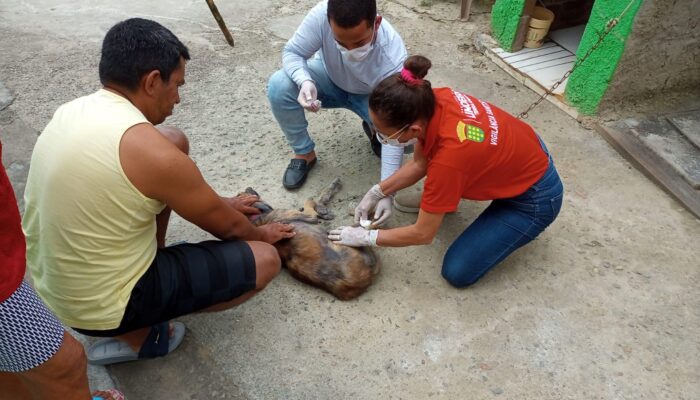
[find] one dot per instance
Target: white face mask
(358, 54)
(394, 141)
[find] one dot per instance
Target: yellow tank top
(90, 233)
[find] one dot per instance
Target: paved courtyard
(605, 304)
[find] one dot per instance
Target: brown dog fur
(343, 271)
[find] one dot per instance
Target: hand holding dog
(243, 203)
(273, 233)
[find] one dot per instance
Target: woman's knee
(457, 278)
(459, 272)
(177, 137)
(267, 263)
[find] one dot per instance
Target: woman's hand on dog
(353, 236)
(273, 233)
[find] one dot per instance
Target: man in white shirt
(339, 53)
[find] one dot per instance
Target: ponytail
(405, 97)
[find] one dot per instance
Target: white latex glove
(354, 236)
(368, 203)
(308, 96)
(383, 211)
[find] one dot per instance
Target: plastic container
(538, 27)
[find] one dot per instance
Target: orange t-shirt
(477, 151)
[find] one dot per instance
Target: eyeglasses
(384, 139)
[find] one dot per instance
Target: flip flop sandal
(114, 394)
(157, 344)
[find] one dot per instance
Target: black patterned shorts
(29, 333)
(183, 279)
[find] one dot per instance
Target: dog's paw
(324, 213)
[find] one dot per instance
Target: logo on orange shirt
(469, 132)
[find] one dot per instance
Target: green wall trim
(588, 83)
(505, 18)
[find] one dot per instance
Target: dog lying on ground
(343, 271)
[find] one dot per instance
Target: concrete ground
(603, 305)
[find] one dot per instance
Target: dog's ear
(252, 191)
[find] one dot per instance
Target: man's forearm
(239, 227)
(295, 67)
(162, 220)
(303, 44)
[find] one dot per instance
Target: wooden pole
(220, 21)
(466, 9)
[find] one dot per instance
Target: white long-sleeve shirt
(314, 35)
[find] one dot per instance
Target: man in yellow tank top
(102, 184)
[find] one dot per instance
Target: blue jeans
(505, 225)
(283, 92)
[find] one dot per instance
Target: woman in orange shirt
(467, 149)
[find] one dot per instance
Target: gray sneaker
(408, 200)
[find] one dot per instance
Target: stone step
(688, 124)
(665, 140)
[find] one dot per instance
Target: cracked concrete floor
(604, 305)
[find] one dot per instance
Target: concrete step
(662, 137)
(688, 124)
